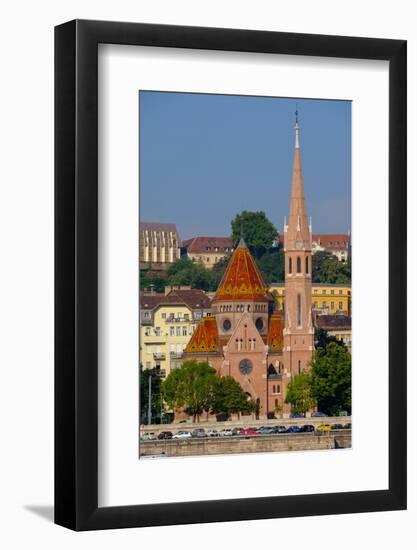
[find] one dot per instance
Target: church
(245, 337)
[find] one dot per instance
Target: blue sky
(204, 158)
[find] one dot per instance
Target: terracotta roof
(242, 279)
(205, 338)
(329, 241)
(275, 334)
(333, 322)
(193, 298)
(208, 244)
(156, 226)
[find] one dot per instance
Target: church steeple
(297, 231)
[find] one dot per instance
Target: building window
(316, 291)
(148, 364)
(299, 310)
(178, 331)
(147, 331)
(340, 292)
(184, 331)
(332, 292)
(157, 331)
(340, 305)
(276, 402)
(307, 264)
(278, 389)
(299, 366)
(323, 305)
(164, 315)
(148, 350)
(146, 314)
(298, 264)
(331, 305)
(324, 291)
(289, 265)
(316, 305)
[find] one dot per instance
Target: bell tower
(298, 332)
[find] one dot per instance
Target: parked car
(318, 414)
(297, 415)
(212, 433)
(266, 430)
(248, 431)
(336, 427)
(280, 429)
(347, 426)
(307, 428)
(199, 432)
(182, 435)
(165, 435)
(236, 431)
(149, 436)
(293, 429)
(324, 428)
(226, 432)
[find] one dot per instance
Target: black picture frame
(76, 272)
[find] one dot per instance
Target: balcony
(176, 354)
(178, 320)
(159, 356)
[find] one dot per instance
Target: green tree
(322, 339)
(258, 232)
(328, 269)
(153, 281)
(156, 400)
(186, 272)
(331, 378)
(271, 265)
(190, 388)
(229, 397)
(299, 393)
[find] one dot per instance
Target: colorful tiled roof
(205, 338)
(242, 280)
(275, 333)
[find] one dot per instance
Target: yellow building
(328, 299)
(168, 321)
(207, 250)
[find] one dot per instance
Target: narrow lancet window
(298, 310)
(298, 264)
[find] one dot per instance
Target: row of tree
(196, 389)
(259, 234)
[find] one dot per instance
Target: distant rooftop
(157, 226)
(208, 244)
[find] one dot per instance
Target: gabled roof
(333, 322)
(208, 244)
(193, 298)
(275, 334)
(242, 279)
(205, 338)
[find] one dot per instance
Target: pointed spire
(297, 130)
(242, 243)
(298, 233)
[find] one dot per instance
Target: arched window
(290, 265)
(298, 310)
(298, 264)
(299, 367)
(306, 264)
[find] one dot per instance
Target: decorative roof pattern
(205, 338)
(242, 280)
(275, 335)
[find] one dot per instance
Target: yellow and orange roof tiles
(242, 279)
